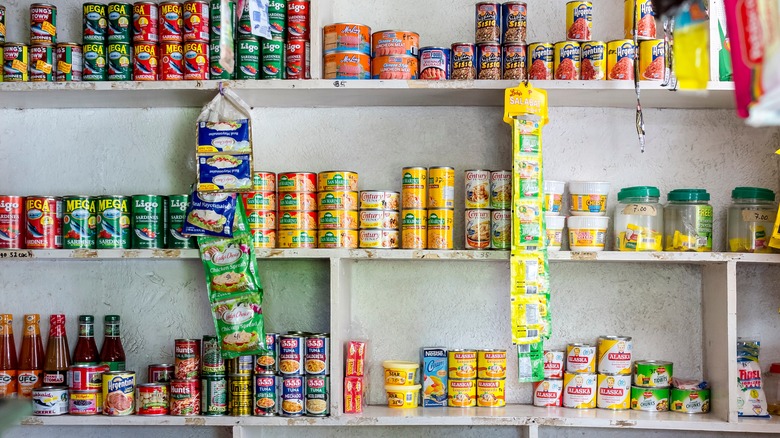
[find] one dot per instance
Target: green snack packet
(240, 325)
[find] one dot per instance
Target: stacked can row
(428, 202)
(379, 219)
(488, 217)
(337, 196)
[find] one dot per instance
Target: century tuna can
(580, 358)
(94, 68)
(43, 23)
(187, 358)
(44, 222)
(489, 61)
(240, 395)
(151, 399)
(579, 390)
(378, 238)
(196, 20)
(185, 397)
(119, 20)
(118, 393)
(78, 222)
(413, 187)
(491, 364)
(296, 182)
(645, 19)
(514, 22)
(477, 188)
(196, 61)
(297, 239)
(248, 59)
(613, 392)
(337, 180)
(298, 220)
(541, 66)
(614, 354)
(567, 61)
(491, 393)
(298, 19)
(347, 65)
(338, 219)
(317, 355)
(171, 65)
(12, 226)
(461, 393)
(213, 395)
(145, 20)
(113, 222)
(488, 22)
(161, 373)
(513, 61)
(94, 30)
(548, 392)
(297, 59)
(15, 62)
(653, 373)
(292, 396)
(620, 60)
(373, 219)
(277, 18)
(593, 63)
(272, 56)
(579, 20)
(394, 42)
(170, 22)
(337, 239)
(291, 201)
(211, 361)
(86, 377)
(462, 364)
(463, 64)
(121, 64)
(501, 189)
(240, 366)
(414, 228)
(264, 238)
(69, 62)
(347, 37)
(266, 395)
(649, 399)
(147, 222)
(259, 201)
(379, 200)
(337, 200)
(85, 402)
(441, 187)
(42, 63)
(690, 401)
(177, 212)
(500, 229)
(477, 229)
(266, 363)
(652, 60)
(50, 400)
(317, 396)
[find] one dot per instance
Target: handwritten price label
(16, 254)
(758, 216)
(339, 84)
(640, 210)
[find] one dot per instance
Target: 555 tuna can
(11, 222)
(266, 395)
(317, 402)
(69, 62)
(79, 222)
(292, 396)
(44, 221)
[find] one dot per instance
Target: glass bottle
(30, 372)
(8, 364)
(55, 368)
(112, 353)
(86, 349)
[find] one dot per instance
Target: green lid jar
(751, 219)
(688, 221)
(639, 219)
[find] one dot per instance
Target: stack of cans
(297, 63)
(428, 207)
(337, 198)
(500, 36)
(33, 62)
(260, 207)
(488, 197)
(379, 219)
(297, 210)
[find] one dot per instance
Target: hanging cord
(669, 80)
(640, 120)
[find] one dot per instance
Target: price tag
(640, 210)
(16, 254)
(339, 84)
(758, 216)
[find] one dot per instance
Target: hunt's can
(171, 64)
(240, 395)
(50, 400)
(216, 69)
(42, 63)
(196, 61)
(297, 59)
(652, 60)
(44, 222)
(177, 213)
(541, 66)
(292, 396)
(488, 22)
(614, 354)
(291, 355)
(146, 63)
(160, 373)
(580, 358)
(170, 22)
(266, 363)
(464, 65)
(43, 23)
(272, 59)
(185, 397)
(514, 22)
(151, 399)
(120, 62)
(211, 360)
(579, 20)
(413, 187)
(298, 19)
(317, 355)
(440, 228)
(118, 393)
(147, 225)
(145, 21)
(69, 62)
(78, 222)
(548, 392)
(489, 61)
(196, 20)
(462, 364)
(94, 62)
(461, 393)
(567, 60)
(15, 62)
(95, 24)
(593, 65)
(614, 391)
(317, 396)
(85, 402)
(215, 17)
(277, 18)
(621, 55)
(119, 22)
(113, 222)
(240, 366)
(11, 225)
(266, 395)
(186, 358)
(513, 61)
(579, 390)
(653, 373)
(248, 59)
(649, 399)
(213, 395)
(491, 393)
(2, 25)
(441, 187)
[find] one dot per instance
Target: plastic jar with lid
(639, 219)
(751, 219)
(688, 221)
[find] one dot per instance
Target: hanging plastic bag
(751, 401)
(210, 214)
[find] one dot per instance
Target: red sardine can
(171, 62)
(43, 224)
(145, 18)
(298, 19)
(145, 65)
(11, 222)
(297, 59)
(196, 61)
(196, 21)
(170, 22)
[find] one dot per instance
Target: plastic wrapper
(227, 136)
(223, 172)
(355, 376)
(691, 46)
(689, 384)
(751, 401)
(530, 362)
(210, 214)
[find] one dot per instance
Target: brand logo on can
(122, 384)
(294, 382)
(265, 381)
(315, 343)
(464, 384)
(181, 389)
(8, 206)
(289, 343)
(315, 383)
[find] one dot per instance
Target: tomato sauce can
(548, 392)
(42, 63)
(86, 377)
(69, 62)
(463, 61)
(212, 362)
(579, 20)
(272, 56)
(94, 67)
(85, 402)
(170, 22)
(43, 23)
(435, 63)
(291, 355)
(161, 373)
(514, 61)
(145, 65)
(317, 355)
(95, 23)
(240, 366)
(151, 399)
(248, 59)
(78, 223)
(119, 21)
(579, 390)
(120, 61)
(266, 362)
(118, 393)
(196, 61)
(488, 22)
(266, 395)
(554, 364)
(171, 62)
(15, 62)
(213, 397)
(145, 21)
(567, 61)
(44, 222)
(489, 61)
(113, 222)
(441, 187)
(187, 358)
(652, 55)
(240, 395)
(185, 397)
(196, 20)
(292, 396)
(514, 22)
(580, 358)
(593, 65)
(12, 225)
(298, 19)
(541, 66)
(298, 59)
(621, 55)
(50, 401)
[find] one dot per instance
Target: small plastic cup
(553, 197)
(588, 198)
(554, 228)
(588, 233)
(402, 397)
(400, 373)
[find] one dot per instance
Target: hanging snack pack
(751, 401)
(210, 214)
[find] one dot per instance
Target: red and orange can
(145, 67)
(43, 222)
(145, 19)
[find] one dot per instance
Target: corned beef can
(621, 55)
(161, 373)
(69, 62)
(489, 61)
(298, 19)
(170, 22)
(579, 20)
(44, 222)
(43, 23)
(185, 397)
(196, 61)
(11, 222)
(171, 62)
(435, 63)
(42, 63)
(196, 20)
(541, 66)
(145, 20)
(548, 392)
(514, 61)
(146, 66)
(297, 62)
(567, 60)
(593, 64)
(120, 62)
(394, 42)
(394, 67)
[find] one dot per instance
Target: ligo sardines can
(277, 18)
(541, 65)
(211, 359)
(477, 187)
(79, 222)
(379, 200)
(347, 37)
(337, 239)
(213, 395)
(614, 353)
(170, 22)
(292, 201)
(215, 17)
(266, 394)
(297, 59)
(462, 364)
(151, 399)
(514, 22)
(621, 55)
(441, 187)
(317, 396)
(44, 222)
(94, 68)
(12, 222)
(491, 393)
(249, 54)
(298, 19)
(119, 21)
(567, 60)
(148, 223)
(580, 358)
(394, 67)
(240, 390)
(50, 400)
(489, 61)
(292, 396)
(653, 373)
(413, 187)
(95, 23)
(196, 20)
(266, 363)
(613, 392)
(196, 61)
(337, 180)
(338, 219)
(463, 64)
(491, 364)
(488, 22)
(548, 392)
(394, 42)
(296, 182)
(579, 20)
(461, 393)
(514, 61)
(15, 62)
(378, 238)
(160, 373)
(43, 23)
(317, 355)
(42, 63)
(690, 401)
(347, 65)
(651, 60)
(69, 62)
(554, 362)
(579, 390)
(145, 20)
(272, 55)
(185, 397)
(177, 212)
(121, 62)
(376, 219)
(477, 227)
(649, 399)
(291, 355)
(118, 393)
(85, 402)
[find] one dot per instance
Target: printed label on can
(542, 64)
(85, 403)
(653, 374)
(580, 358)
(317, 355)
(463, 61)
(42, 63)
(266, 394)
(145, 20)
(548, 392)
(461, 393)
(477, 226)
(213, 395)
(69, 62)
(435, 63)
(298, 19)
(119, 393)
(119, 23)
(317, 397)
(477, 188)
(50, 401)
(292, 396)
(44, 221)
(649, 399)
(151, 399)
(614, 354)
(170, 22)
(196, 20)
(94, 22)
(462, 364)
(690, 401)
(187, 359)
(291, 355)
(491, 393)
(185, 397)
(613, 392)
(12, 222)
(579, 390)
(554, 362)
(196, 61)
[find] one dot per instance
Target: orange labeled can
(346, 65)
(261, 220)
(579, 20)
(491, 393)
(567, 61)
(394, 67)
(593, 64)
(462, 364)
(441, 187)
(337, 180)
(298, 220)
(394, 42)
(461, 393)
(440, 228)
(264, 181)
(645, 19)
(491, 364)
(290, 201)
(264, 238)
(346, 37)
(255, 201)
(337, 200)
(296, 182)
(413, 186)
(652, 60)
(337, 239)
(338, 219)
(621, 55)
(297, 239)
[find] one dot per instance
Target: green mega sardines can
(79, 222)
(95, 22)
(147, 222)
(120, 62)
(177, 213)
(272, 59)
(118, 23)
(94, 56)
(113, 222)
(248, 58)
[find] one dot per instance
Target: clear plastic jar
(688, 221)
(639, 219)
(751, 219)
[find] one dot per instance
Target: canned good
(441, 187)
(185, 397)
(394, 42)
(85, 377)
(196, 20)
(94, 59)
(121, 63)
(548, 392)
(69, 62)
(170, 22)
(317, 396)
(593, 62)
(477, 226)
(613, 392)
(491, 393)
(147, 221)
(567, 60)
(291, 355)
(614, 353)
(244, 28)
(145, 20)
(347, 65)
(43, 23)
(118, 393)
(85, 402)
(372, 219)
(277, 18)
(477, 188)
(298, 19)
(489, 61)
(272, 59)
(15, 62)
(266, 394)
(12, 222)
(377, 238)
(645, 19)
(119, 18)
(414, 228)
(95, 23)
(464, 57)
(298, 220)
(338, 219)
(249, 55)
(151, 399)
(337, 239)
(337, 200)
(259, 201)
(379, 200)
(488, 22)
(440, 228)
(291, 201)
(690, 401)
(292, 396)
(43, 223)
(337, 180)
(621, 55)
(113, 220)
(501, 189)
(177, 212)
(213, 398)
(652, 60)
(78, 222)
(50, 401)
(296, 182)
(2, 24)
(212, 362)
(241, 365)
(196, 61)
(514, 22)
(298, 59)
(187, 358)
(42, 63)
(649, 399)
(462, 364)
(579, 20)
(461, 393)
(653, 373)
(413, 188)
(240, 395)
(297, 239)
(579, 390)
(347, 37)
(541, 67)
(513, 61)
(264, 181)
(580, 358)
(161, 373)
(265, 363)
(262, 220)
(500, 229)
(264, 238)
(394, 67)
(491, 364)
(317, 355)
